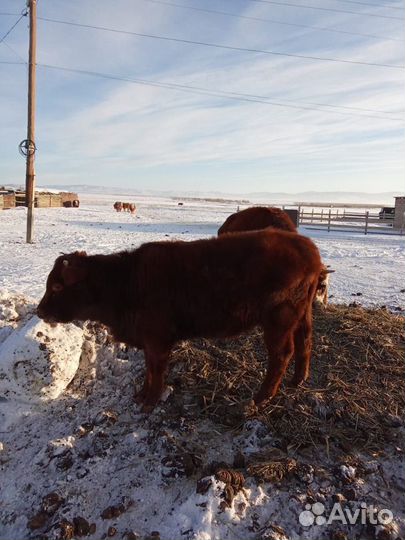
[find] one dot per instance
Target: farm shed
(7, 199)
(43, 199)
(53, 199)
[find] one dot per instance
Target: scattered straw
(353, 398)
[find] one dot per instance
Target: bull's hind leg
(278, 326)
(303, 339)
(303, 347)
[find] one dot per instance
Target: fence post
(366, 225)
(299, 215)
(312, 216)
(329, 216)
(321, 215)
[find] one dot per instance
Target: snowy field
(83, 454)
(371, 266)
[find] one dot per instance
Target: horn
(328, 271)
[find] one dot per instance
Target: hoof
(295, 382)
(140, 397)
(262, 403)
(147, 409)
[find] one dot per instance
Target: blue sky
(114, 133)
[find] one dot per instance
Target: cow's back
(223, 283)
(257, 218)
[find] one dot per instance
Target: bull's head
(67, 293)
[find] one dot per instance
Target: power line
(219, 93)
(371, 5)
(2, 40)
(273, 21)
(12, 28)
(328, 9)
(13, 50)
(218, 46)
(208, 92)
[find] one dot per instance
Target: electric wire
(272, 21)
(362, 14)
(213, 93)
(219, 46)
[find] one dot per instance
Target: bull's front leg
(157, 362)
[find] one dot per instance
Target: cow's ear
(81, 253)
(73, 272)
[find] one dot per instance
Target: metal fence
(337, 220)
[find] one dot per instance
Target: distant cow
(118, 206)
(261, 217)
(217, 287)
(128, 207)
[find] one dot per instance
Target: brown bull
(173, 291)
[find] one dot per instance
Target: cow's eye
(57, 287)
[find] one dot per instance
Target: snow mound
(14, 307)
(37, 362)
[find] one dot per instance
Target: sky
(300, 124)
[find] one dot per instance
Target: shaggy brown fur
(207, 288)
(256, 218)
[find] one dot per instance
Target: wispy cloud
(113, 132)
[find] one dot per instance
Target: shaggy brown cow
(261, 217)
(118, 206)
(256, 218)
(218, 287)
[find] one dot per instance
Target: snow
(37, 361)
(80, 433)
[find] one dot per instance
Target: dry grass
(353, 398)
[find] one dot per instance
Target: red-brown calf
(207, 288)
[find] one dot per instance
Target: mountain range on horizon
(384, 197)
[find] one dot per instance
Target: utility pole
(30, 141)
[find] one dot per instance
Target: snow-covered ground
(371, 266)
(95, 457)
